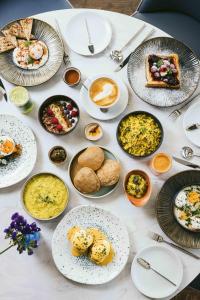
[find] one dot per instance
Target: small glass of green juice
(20, 97)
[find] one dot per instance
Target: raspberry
(69, 107)
(74, 113)
(59, 127)
(50, 112)
(54, 120)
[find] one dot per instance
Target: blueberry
(66, 111)
(69, 117)
(72, 120)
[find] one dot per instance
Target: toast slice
(163, 71)
(27, 27)
(5, 44)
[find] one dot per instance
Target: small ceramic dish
(104, 190)
(93, 131)
(47, 199)
(72, 76)
(145, 198)
(57, 155)
(59, 114)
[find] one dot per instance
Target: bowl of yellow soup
(45, 196)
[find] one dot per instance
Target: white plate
(20, 167)
(99, 29)
(164, 261)
(192, 116)
(112, 112)
(81, 269)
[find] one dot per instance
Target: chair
(15, 9)
(179, 18)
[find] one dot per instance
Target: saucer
(192, 117)
(112, 112)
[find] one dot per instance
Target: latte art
(104, 91)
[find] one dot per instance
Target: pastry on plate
(86, 181)
(10, 37)
(5, 44)
(109, 172)
(92, 157)
(27, 27)
(163, 71)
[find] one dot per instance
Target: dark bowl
(51, 100)
(134, 113)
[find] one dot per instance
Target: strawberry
(74, 113)
(69, 107)
(59, 127)
(50, 112)
(54, 120)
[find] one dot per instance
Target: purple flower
(14, 234)
(30, 251)
(23, 235)
(14, 216)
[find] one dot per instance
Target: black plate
(165, 209)
(51, 100)
(137, 113)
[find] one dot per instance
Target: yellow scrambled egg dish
(139, 134)
(92, 242)
(45, 196)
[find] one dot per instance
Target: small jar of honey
(72, 76)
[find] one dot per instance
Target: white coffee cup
(106, 93)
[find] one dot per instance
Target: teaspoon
(187, 152)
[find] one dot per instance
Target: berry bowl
(59, 114)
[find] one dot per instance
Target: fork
(177, 112)
(158, 238)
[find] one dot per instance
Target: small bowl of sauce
(58, 155)
(161, 163)
(93, 131)
(72, 76)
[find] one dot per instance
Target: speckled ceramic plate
(81, 269)
(165, 209)
(105, 190)
(20, 167)
(44, 32)
(189, 68)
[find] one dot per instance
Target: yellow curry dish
(139, 134)
(45, 196)
(91, 242)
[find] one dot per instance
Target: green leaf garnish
(159, 63)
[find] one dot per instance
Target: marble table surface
(36, 277)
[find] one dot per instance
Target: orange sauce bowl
(145, 198)
(161, 163)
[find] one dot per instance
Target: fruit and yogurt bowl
(59, 114)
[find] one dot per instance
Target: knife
(90, 44)
(3, 90)
(126, 60)
(186, 163)
(193, 126)
(65, 56)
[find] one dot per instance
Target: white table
(36, 277)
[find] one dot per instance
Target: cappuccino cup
(104, 92)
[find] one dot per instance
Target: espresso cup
(104, 91)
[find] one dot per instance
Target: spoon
(117, 55)
(187, 152)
